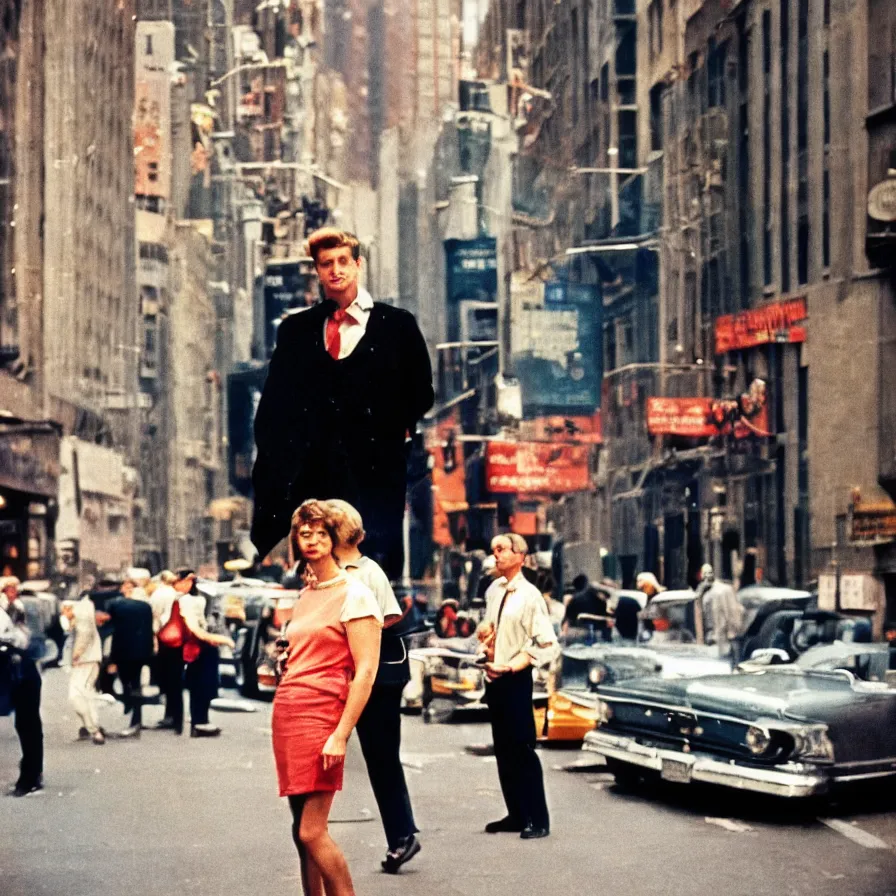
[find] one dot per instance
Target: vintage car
(569, 711)
(445, 678)
(792, 730)
(254, 651)
(42, 607)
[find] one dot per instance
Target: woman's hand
(334, 751)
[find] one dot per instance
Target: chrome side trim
(791, 780)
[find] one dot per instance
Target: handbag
(173, 633)
(192, 646)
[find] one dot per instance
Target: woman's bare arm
(364, 643)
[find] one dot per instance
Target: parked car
(792, 730)
(235, 608)
(571, 708)
(42, 609)
(254, 650)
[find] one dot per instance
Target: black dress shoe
(506, 825)
(530, 832)
(165, 725)
(21, 789)
(404, 852)
(204, 731)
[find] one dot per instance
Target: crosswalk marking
(855, 833)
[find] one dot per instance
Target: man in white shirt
(517, 634)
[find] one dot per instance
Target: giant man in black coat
(337, 429)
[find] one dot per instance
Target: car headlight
(758, 740)
(813, 742)
(597, 674)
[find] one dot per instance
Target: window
(767, 149)
(784, 36)
(882, 54)
(656, 116)
(715, 75)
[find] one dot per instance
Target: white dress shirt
(354, 326)
(525, 625)
(162, 602)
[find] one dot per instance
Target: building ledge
(881, 114)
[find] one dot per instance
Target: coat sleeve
(273, 469)
(417, 374)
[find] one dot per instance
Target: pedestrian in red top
(331, 658)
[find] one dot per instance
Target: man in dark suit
(348, 381)
(347, 384)
(132, 649)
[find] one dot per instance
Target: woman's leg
(322, 849)
(82, 694)
(312, 883)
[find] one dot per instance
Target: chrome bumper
(791, 780)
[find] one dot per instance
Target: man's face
(507, 563)
(338, 272)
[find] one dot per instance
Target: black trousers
(509, 700)
(170, 679)
(26, 703)
(379, 731)
(202, 681)
(129, 673)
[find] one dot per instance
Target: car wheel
(626, 776)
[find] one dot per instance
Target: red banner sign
(778, 322)
(537, 468)
(702, 418)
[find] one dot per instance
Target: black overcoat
(337, 429)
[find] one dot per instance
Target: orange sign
(537, 468)
(872, 522)
(149, 142)
(448, 481)
(777, 322)
(577, 430)
(702, 418)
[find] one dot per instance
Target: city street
(164, 815)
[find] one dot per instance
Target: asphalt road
(169, 815)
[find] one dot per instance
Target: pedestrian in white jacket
(87, 654)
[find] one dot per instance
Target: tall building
(29, 442)
(90, 308)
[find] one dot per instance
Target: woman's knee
(311, 831)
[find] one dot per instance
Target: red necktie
(334, 340)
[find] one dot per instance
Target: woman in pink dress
(329, 668)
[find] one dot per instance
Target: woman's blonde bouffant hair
(349, 524)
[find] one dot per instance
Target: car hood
(791, 694)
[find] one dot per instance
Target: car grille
(689, 730)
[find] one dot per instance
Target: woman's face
(314, 541)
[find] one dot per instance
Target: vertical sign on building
(556, 346)
(152, 109)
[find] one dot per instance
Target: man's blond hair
(332, 238)
(349, 524)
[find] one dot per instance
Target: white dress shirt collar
(360, 309)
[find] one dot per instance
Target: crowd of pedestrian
(116, 650)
